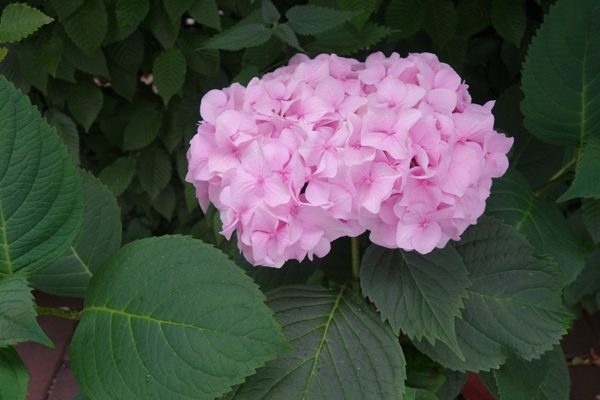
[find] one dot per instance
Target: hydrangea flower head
(331, 147)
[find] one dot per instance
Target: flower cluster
(331, 147)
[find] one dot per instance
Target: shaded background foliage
(121, 81)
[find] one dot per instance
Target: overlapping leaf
(118, 175)
(561, 82)
(17, 314)
(67, 130)
(514, 307)
(206, 12)
(311, 20)
(154, 170)
(99, 237)
(420, 295)
(19, 21)
(341, 350)
(240, 37)
(539, 220)
(406, 16)
(169, 73)
(171, 317)
(440, 21)
(509, 20)
(87, 25)
(142, 129)
(13, 375)
(41, 199)
(85, 100)
(346, 39)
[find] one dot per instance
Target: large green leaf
(17, 313)
(539, 220)
(33, 73)
(406, 16)
(13, 375)
(363, 8)
(341, 350)
(154, 170)
(310, 20)
(48, 53)
(142, 129)
(41, 199)
(171, 318)
(546, 378)
(118, 175)
(240, 37)
(93, 64)
(591, 218)
(128, 15)
(99, 237)
(561, 82)
(588, 282)
(473, 15)
(419, 294)
(202, 61)
(169, 73)
(87, 26)
(85, 100)
(19, 21)
(176, 8)
(509, 19)
(514, 307)
(128, 53)
(163, 29)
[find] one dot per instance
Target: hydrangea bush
(330, 147)
(418, 236)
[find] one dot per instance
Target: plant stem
(355, 257)
(563, 178)
(58, 312)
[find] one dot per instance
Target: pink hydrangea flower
(333, 147)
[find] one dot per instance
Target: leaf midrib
(5, 242)
(323, 339)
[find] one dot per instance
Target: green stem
(355, 257)
(563, 178)
(58, 312)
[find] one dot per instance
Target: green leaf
(164, 203)
(64, 8)
(341, 350)
(539, 220)
(514, 307)
(19, 21)
(291, 273)
(545, 378)
(421, 371)
(561, 81)
(588, 282)
(310, 20)
(130, 13)
(18, 322)
(13, 375)
(206, 12)
(99, 237)
(40, 193)
(418, 394)
(123, 82)
(31, 70)
(591, 218)
(85, 100)
(536, 160)
(473, 16)
(452, 386)
(406, 16)
(176, 8)
(118, 175)
(161, 26)
(202, 61)
(419, 294)
(509, 19)
(441, 20)
(3, 53)
(364, 9)
(169, 73)
(139, 327)
(154, 171)
(128, 53)
(87, 26)
(48, 54)
(287, 35)
(240, 37)
(142, 129)
(269, 12)
(94, 64)
(346, 39)
(67, 131)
